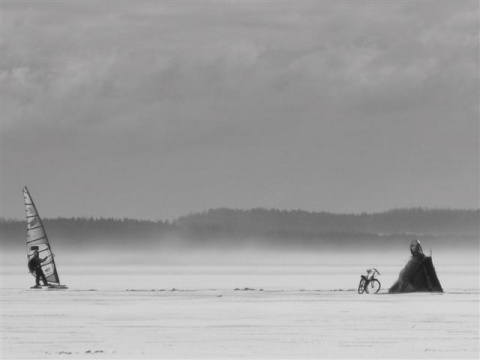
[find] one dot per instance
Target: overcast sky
(155, 109)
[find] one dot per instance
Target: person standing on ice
(35, 266)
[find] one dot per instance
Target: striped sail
(37, 239)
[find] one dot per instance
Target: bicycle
(369, 283)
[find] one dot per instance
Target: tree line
(417, 220)
(280, 226)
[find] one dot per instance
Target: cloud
(160, 52)
(291, 94)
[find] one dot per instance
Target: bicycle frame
(367, 279)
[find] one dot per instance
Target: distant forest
(262, 226)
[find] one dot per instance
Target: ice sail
(37, 240)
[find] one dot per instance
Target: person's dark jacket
(35, 263)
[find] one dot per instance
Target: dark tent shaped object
(418, 274)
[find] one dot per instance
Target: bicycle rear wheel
(361, 286)
(373, 287)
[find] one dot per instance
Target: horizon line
(363, 213)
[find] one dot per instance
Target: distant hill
(261, 226)
(418, 220)
(88, 232)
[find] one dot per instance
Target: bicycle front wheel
(361, 286)
(373, 287)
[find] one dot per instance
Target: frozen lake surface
(196, 312)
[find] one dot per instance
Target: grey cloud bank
(157, 109)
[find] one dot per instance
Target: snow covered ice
(233, 311)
